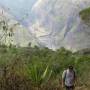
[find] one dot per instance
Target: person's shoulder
(65, 71)
(64, 74)
(74, 71)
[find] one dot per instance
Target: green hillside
(85, 15)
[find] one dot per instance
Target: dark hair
(70, 67)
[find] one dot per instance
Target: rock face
(21, 36)
(57, 23)
(20, 9)
(52, 23)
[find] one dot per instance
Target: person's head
(70, 67)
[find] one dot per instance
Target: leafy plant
(39, 75)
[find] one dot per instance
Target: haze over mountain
(20, 9)
(61, 21)
(21, 36)
(54, 23)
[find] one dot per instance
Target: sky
(20, 9)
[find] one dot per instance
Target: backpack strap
(74, 74)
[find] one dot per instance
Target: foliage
(39, 74)
(39, 68)
(85, 15)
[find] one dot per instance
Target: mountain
(21, 35)
(58, 24)
(20, 9)
(51, 23)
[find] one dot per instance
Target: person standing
(68, 78)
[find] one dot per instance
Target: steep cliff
(61, 23)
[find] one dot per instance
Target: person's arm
(63, 78)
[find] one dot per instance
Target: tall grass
(40, 69)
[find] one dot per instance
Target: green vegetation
(37, 68)
(85, 15)
(40, 69)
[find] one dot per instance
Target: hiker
(68, 78)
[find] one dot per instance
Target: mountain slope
(52, 23)
(21, 36)
(61, 23)
(85, 15)
(20, 9)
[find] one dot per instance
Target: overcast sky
(18, 8)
